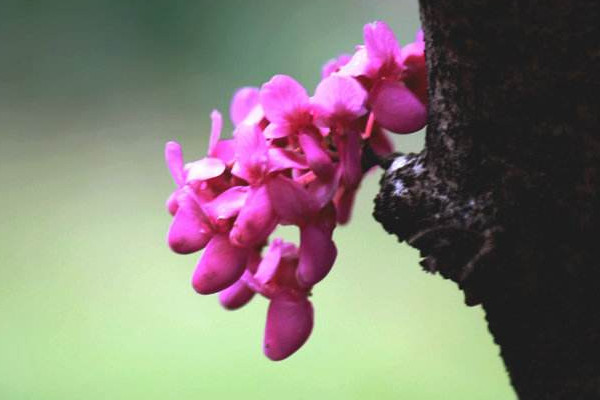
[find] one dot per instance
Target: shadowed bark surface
(505, 199)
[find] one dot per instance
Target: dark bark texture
(505, 199)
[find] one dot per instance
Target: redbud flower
(293, 160)
(395, 105)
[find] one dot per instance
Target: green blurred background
(93, 304)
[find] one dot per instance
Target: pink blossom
(387, 97)
(334, 65)
(244, 101)
(289, 324)
(189, 231)
(286, 105)
(239, 294)
(220, 266)
(395, 75)
(293, 160)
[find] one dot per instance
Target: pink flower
(379, 57)
(244, 101)
(398, 94)
(189, 231)
(239, 294)
(286, 105)
(414, 70)
(339, 100)
(220, 266)
(289, 324)
(334, 65)
(397, 108)
(294, 205)
(293, 160)
(290, 315)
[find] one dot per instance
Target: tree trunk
(505, 199)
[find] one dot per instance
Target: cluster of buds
(293, 160)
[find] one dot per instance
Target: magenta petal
(318, 159)
(251, 152)
(358, 64)
(334, 65)
(396, 108)
(415, 49)
(244, 100)
(280, 159)
(225, 151)
(282, 97)
(381, 42)
(276, 131)
(256, 220)
(343, 204)
(215, 131)
(289, 323)
(291, 202)
(187, 233)
(351, 158)
(203, 169)
(268, 266)
(220, 265)
(323, 191)
(172, 205)
(420, 36)
(381, 143)
(236, 295)
(339, 97)
(174, 159)
(317, 254)
(228, 204)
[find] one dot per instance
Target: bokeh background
(93, 304)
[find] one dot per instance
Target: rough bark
(505, 199)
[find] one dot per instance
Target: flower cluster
(293, 160)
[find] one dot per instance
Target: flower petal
(236, 295)
(228, 204)
(225, 151)
(358, 64)
(397, 108)
(334, 65)
(171, 204)
(220, 265)
(318, 159)
(276, 131)
(289, 324)
(381, 143)
(282, 97)
(281, 159)
(215, 131)
(203, 169)
(317, 254)
(381, 43)
(174, 159)
(339, 98)
(188, 232)
(268, 266)
(244, 100)
(256, 220)
(291, 202)
(350, 158)
(344, 200)
(322, 191)
(251, 152)
(414, 69)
